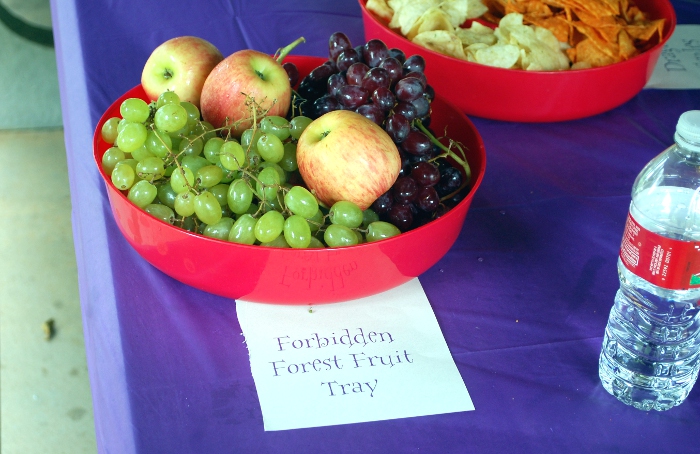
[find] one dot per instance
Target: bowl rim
(671, 27)
(481, 150)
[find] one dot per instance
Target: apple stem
(448, 151)
(282, 53)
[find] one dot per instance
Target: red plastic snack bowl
(295, 276)
(532, 96)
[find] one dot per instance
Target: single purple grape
(422, 106)
(375, 78)
(425, 173)
(427, 199)
(355, 73)
(352, 96)
(292, 73)
(393, 67)
(325, 104)
(397, 54)
(335, 81)
(406, 109)
(371, 112)
(383, 203)
(322, 73)
(347, 58)
(383, 98)
(374, 52)
(401, 215)
(450, 180)
(408, 89)
(414, 63)
(405, 189)
(337, 44)
(418, 75)
(417, 143)
(398, 127)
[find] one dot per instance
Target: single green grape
(232, 155)
(131, 137)
(209, 176)
(301, 201)
(270, 148)
(166, 195)
(240, 196)
(211, 149)
(316, 221)
(338, 235)
(249, 138)
(151, 168)
(207, 208)
(243, 230)
(170, 117)
(220, 230)
(205, 129)
(194, 163)
(191, 145)
(159, 143)
(167, 97)
(142, 193)
(184, 204)
(220, 191)
(315, 243)
(182, 179)
(379, 230)
(192, 111)
(112, 156)
(162, 212)
(229, 175)
(276, 125)
(289, 158)
(141, 153)
(123, 176)
(135, 109)
(267, 185)
(297, 232)
(269, 226)
(280, 171)
(109, 130)
(280, 241)
(298, 124)
(345, 213)
(369, 216)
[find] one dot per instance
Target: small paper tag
(678, 66)
(375, 358)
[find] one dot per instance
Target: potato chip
(498, 55)
(476, 33)
(441, 41)
(381, 9)
(433, 19)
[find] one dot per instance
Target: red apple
(344, 156)
(243, 75)
(181, 65)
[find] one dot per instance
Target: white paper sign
(678, 66)
(375, 358)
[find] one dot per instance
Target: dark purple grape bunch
(390, 89)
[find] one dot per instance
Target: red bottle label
(664, 262)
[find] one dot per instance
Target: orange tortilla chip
(627, 47)
(588, 52)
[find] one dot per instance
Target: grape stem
(448, 151)
(283, 52)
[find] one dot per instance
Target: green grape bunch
(180, 169)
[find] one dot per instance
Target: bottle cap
(688, 127)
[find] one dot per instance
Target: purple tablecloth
(522, 298)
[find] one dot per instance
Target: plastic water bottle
(651, 349)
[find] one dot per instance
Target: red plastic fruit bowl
(532, 96)
(295, 276)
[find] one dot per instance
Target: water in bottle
(651, 347)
